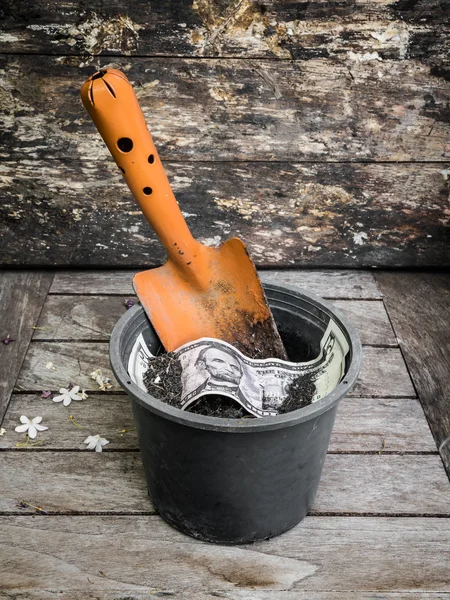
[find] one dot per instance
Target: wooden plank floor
(379, 528)
(419, 307)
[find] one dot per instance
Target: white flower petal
(67, 400)
(24, 419)
(98, 447)
(103, 442)
(40, 427)
(32, 432)
(93, 440)
(63, 391)
(21, 428)
(36, 420)
(58, 398)
(74, 390)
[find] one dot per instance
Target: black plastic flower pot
(236, 481)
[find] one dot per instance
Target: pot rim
(241, 425)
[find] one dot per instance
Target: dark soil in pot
(163, 381)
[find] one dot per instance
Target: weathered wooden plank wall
(316, 131)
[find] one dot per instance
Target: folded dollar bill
(211, 366)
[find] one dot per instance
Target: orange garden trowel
(200, 291)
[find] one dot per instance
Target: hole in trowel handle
(125, 144)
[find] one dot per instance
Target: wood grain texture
(385, 483)
(380, 425)
(317, 110)
(289, 214)
(383, 371)
(226, 28)
(370, 319)
(22, 295)
(114, 482)
(68, 482)
(335, 283)
(142, 554)
(93, 318)
(73, 363)
(235, 594)
(362, 424)
(419, 307)
(80, 317)
(108, 414)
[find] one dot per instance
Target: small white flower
(95, 441)
(50, 366)
(2, 431)
(104, 383)
(83, 394)
(32, 427)
(67, 396)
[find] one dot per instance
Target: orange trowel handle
(111, 102)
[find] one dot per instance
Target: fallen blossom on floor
(50, 366)
(104, 383)
(7, 340)
(46, 394)
(83, 394)
(2, 431)
(129, 303)
(31, 427)
(66, 396)
(95, 441)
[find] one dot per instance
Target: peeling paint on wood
(233, 109)
(93, 35)
(271, 28)
(289, 214)
(368, 84)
